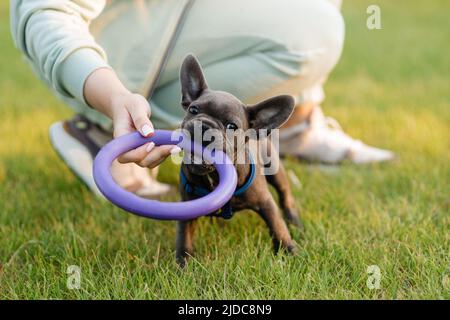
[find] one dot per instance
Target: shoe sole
(75, 155)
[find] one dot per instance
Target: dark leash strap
(170, 47)
(226, 212)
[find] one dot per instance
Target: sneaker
(321, 139)
(77, 141)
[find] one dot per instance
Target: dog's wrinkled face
(210, 119)
(213, 116)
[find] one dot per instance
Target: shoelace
(329, 122)
(333, 124)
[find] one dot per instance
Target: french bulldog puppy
(221, 111)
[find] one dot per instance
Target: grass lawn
(390, 89)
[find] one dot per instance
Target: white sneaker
(79, 158)
(321, 139)
(138, 180)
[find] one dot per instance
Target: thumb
(140, 113)
(122, 123)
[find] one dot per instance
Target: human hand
(129, 112)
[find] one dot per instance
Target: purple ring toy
(155, 209)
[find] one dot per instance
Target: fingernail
(175, 150)
(147, 130)
(150, 146)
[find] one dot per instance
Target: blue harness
(226, 212)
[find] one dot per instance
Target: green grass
(390, 89)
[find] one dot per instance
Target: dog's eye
(193, 110)
(231, 126)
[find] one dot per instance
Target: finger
(140, 112)
(138, 154)
(122, 124)
(158, 155)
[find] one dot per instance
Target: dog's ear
(193, 81)
(271, 113)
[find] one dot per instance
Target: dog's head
(222, 113)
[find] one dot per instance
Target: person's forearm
(55, 38)
(129, 111)
(101, 88)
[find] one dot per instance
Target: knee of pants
(300, 26)
(311, 35)
(303, 24)
(288, 44)
(311, 29)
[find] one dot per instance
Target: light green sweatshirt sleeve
(54, 36)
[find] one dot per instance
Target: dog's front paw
(182, 262)
(182, 258)
(292, 217)
(292, 249)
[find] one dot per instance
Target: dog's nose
(205, 127)
(200, 126)
(198, 130)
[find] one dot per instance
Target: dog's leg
(281, 184)
(184, 246)
(268, 210)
